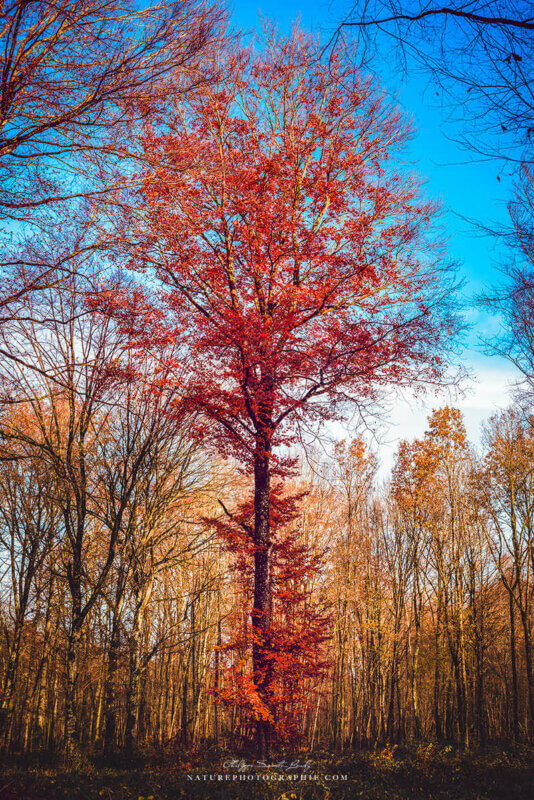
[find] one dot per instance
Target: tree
(65, 427)
(507, 487)
(72, 72)
(148, 465)
(354, 473)
(295, 661)
(447, 463)
(294, 262)
(69, 71)
(438, 513)
(480, 58)
(478, 53)
(514, 300)
(28, 523)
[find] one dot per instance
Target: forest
(214, 258)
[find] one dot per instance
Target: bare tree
(72, 72)
(66, 341)
(479, 54)
(71, 68)
(513, 301)
(29, 522)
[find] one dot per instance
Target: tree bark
(513, 664)
(109, 688)
(262, 608)
(71, 715)
(134, 686)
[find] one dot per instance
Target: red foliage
(296, 264)
(300, 627)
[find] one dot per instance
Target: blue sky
(465, 188)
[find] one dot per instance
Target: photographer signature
(241, 765)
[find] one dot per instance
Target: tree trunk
(262, 608)
(71, 715)
(142, 594)
(109, 688)
(415, 665)
(438, 687)
(8, 685)
(134, 687)
(74, 577)
(217, 680)
(42, 678)
(513, 663)
(528, 665)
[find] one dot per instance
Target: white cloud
(487, 393)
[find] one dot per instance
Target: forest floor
(393, 773)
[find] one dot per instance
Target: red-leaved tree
(294, 653)
(294, 262)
